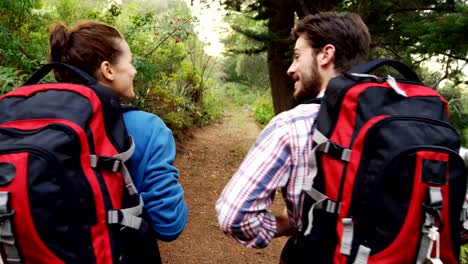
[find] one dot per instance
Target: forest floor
(206, 162)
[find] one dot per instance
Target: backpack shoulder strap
(126, 107)
(37, 76)
(314, 101)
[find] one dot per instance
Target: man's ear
(106, 71)
(327, 55)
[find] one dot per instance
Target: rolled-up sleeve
(242, 207)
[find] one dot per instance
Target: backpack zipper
(17, 133)
(30, 148)
(410, 118)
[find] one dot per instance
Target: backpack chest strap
(117, 163)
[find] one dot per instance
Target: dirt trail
(206, 163)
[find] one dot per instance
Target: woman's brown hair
(86, 45)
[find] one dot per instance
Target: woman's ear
(106, 72)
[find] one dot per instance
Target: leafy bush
(212, 106)
(263, 110)
(241, 94)
(178, 122)
(147, 71)
(458, 106)
(10, 78)
(464, 254)
(174, 72)
(255, 99)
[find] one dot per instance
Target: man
(327, 44)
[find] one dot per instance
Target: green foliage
(229, 65)
(249, 35)
(253, 70)
(263, 110)
(173, 66)
(18, 35)
(169, 60)
(178, 122)
(240, 93)
(439, 33)
(10, 78)
(464, 254)
(257, 100)
(174, 77)
(147, 33)
(415, 31)
(458, 105)
(15, 13)
(66, 10)
(212, 106)
(157, 7)
(148, 72)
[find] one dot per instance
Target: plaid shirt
(278, 159)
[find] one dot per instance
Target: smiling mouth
(296, 84)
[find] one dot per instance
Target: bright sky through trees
(210, 26)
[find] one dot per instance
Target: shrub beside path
(206, 162)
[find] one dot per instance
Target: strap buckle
(114, 216)
(432, 207)
(126, 220)
(106, 163)
(6, 215)
(434, 212)
(329, 206)
(337, 152)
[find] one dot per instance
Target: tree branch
(454, 100)
(383, 45)
(394, 52)
(160, 43)
(454, 57)
(438, 9)
(248, 51)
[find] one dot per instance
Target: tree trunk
(280, 22)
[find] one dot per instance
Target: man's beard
(310, 87)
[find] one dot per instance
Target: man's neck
(322, 92)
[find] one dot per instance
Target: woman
(101, 51)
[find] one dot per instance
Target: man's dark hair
(345, 31)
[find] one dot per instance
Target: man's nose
(291, 70)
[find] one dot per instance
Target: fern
(10, 78)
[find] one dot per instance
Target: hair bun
(58, 42)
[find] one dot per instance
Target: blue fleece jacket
(154, 175)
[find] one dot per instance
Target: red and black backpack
(65, 193)
(388, 182)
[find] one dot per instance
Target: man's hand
(282, 225)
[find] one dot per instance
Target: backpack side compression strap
(7, 239)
